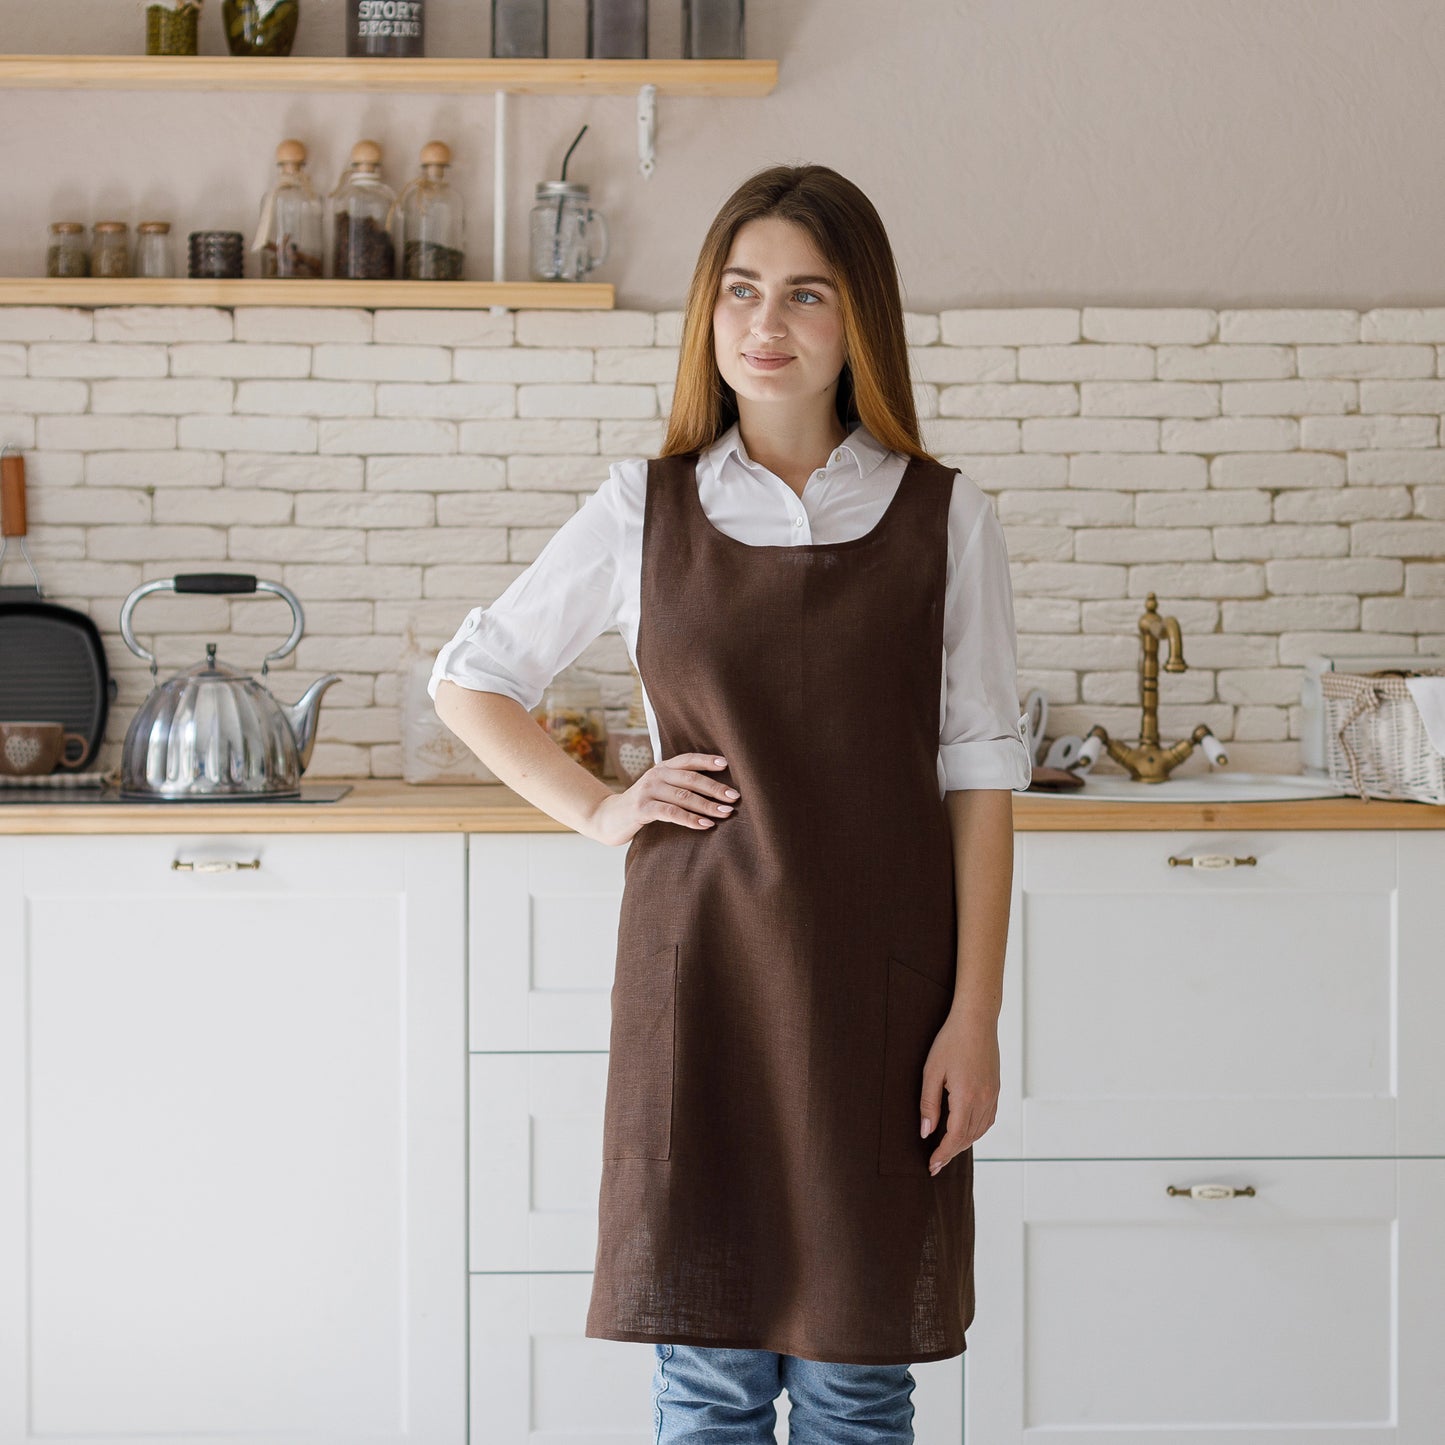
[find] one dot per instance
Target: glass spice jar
(171, 27)
(260, 27)
(153, 249)
(66, 253)
(571, 714)
(288, 236)
(360, 207)
(110, 249)
(430, 212)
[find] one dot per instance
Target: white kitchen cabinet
(232, 1139)
(1269, 1024)
(1110, 1310)
(1272, 1008)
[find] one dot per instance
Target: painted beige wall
(1105, 152)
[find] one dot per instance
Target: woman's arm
(964, 1057)
(981, 820)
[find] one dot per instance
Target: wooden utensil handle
(12, 496)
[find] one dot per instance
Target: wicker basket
(1376, 745)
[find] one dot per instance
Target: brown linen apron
(782, 975)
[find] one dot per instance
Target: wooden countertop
(391, 806)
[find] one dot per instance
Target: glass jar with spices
(360, 207)
(260, 27)
(66, 253)
(110, 249)
(171, 27)
(571, 714)
(431, 217)
(153, 249)
(288, 236)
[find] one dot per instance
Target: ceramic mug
(28, 749)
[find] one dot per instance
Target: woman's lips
(767, 363)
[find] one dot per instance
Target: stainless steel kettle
(211, 732)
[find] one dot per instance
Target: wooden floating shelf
(408, 295)
(283, 73)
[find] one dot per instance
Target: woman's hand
(672, 791)
(963, 1060)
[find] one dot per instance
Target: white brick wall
(1275, 476)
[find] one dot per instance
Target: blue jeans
(707, 1396)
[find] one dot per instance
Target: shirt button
(797, 521)
(470, 625)
(837, 456)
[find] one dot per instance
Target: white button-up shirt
(588, 578)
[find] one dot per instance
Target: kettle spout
(302, 716)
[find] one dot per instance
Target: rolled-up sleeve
(983, 737)
(567, 597)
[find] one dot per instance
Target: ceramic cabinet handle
(1211, 860)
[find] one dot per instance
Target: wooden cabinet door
(1183, 1010)
(1109, 1309)
(232, 1135)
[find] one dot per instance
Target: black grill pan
(52, 663)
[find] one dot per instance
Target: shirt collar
(861, 446)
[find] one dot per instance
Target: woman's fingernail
(730, 792)
(927, 1128)
(934, 1168)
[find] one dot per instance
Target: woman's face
(775, 299)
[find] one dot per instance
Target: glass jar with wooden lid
(288, 236)
(66, 253)
(153, 249)
(361, 206)
(431, 216)
(110, 249)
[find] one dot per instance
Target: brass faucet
(1149, 763)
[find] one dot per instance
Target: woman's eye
(737, 286)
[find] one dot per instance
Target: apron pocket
(637, 1115)
(916, 1008)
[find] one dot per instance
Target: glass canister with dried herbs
(66, 253)
(171, 27)
(288, 236)
(110, 249)
(361, 205)
(153, 250)
(430, 213)
(260, 27)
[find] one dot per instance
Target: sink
(1220, 786)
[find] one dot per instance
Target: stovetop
(47, 797)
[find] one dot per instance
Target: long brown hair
(874, 386)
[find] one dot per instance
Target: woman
(810, 952)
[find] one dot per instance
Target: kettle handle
(241, 583)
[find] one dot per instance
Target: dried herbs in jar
(260, 27)
(288, 236)
(361, 211)
(171, 27)
(431, 220)
(66, 253)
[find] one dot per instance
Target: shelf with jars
(562, 76)
(369, 295)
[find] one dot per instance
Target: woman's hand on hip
(672, 791)
(963, 1060)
